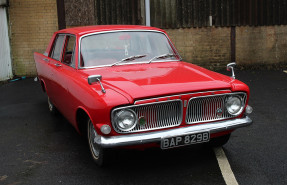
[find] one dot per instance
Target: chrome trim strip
(151, 137)
(103, 32)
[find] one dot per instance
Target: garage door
(5, 59)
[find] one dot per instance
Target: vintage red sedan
(124, 86)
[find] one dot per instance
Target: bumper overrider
(156, 136)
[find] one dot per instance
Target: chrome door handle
(46, 60)
(58, 65)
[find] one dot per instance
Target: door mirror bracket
(230, 67)
(96, 78)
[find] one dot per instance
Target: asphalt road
(38, 148)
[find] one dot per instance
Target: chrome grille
(209, 108)
(157, 115)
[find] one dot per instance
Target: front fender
(97, 105)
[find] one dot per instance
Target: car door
(64, 73)
(70, 74)
(54, 86)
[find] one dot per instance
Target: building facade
(209, 33)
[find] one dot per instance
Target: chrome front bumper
(151, 137)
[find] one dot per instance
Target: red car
(127, 86)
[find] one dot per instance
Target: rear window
(58, 47)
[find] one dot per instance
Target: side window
(69, 51)
(57, 49)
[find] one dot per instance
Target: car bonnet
(140, 81)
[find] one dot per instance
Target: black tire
(52, 108)
(96, 150)
(219, 141)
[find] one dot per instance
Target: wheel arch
(82, 116)
(43, 86)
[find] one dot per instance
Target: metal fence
(221, 13)
(179, 13)
(118, 12)
(196, 13)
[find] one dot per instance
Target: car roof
(101, 28)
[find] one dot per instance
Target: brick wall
(32, 23)
(208, 47)
(261, 45)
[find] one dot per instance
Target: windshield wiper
(168, 55)
(131, 58)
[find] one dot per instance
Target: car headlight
(234, 105)
(125, 120)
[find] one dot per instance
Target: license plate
(189, 139)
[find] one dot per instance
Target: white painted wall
(5, 55)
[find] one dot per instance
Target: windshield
(115, 47)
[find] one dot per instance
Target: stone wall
(32, 23)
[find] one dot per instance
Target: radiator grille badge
(219, 112)
(142, 121)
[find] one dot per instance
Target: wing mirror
(96, 78)
(230, 67)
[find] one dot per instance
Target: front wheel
(219, 141)
(96, 150)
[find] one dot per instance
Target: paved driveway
(38, 148)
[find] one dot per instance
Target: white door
(5, 58)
